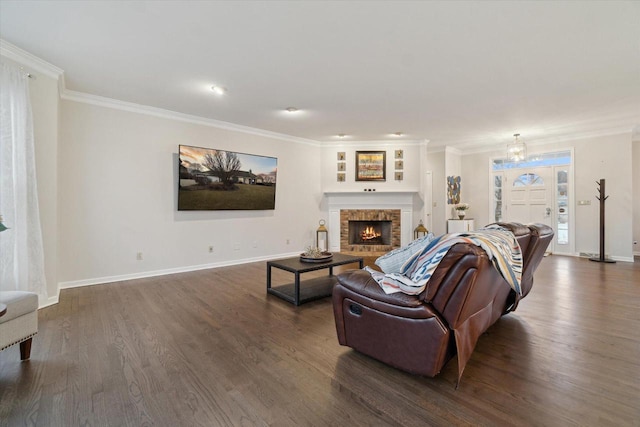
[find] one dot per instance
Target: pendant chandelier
(517, 150)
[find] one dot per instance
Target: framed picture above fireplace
(371, 165)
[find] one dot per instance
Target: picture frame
(399, 176)
(342, 166)
(371, 165)
(342, 177)
(341, 156)
(399, 164)
(399, 154)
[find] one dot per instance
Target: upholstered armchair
(19, 323)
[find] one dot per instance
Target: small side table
(460, 225)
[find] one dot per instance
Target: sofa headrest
(516, 228)
(522, 233)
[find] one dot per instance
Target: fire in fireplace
(369, 232)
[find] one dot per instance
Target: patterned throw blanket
(500, 245)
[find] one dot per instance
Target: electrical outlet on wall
(139, 256)
(211, 249)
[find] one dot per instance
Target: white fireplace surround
(336, 201)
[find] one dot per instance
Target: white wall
(636, 196)
(475, 187)
(411, 171)
(118, 196)
(608, 157)
(439, 212)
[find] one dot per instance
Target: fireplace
(369, 230)
(399, 207)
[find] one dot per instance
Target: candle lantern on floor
(420, 231)
(322, 237)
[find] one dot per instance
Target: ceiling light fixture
(517, 150)
(292, 109)
(398, 134)
(219, 90)
(341, 135)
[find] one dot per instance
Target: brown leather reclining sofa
(421, 333)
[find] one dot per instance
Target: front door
(529, 196)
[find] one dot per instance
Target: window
(562, 203)
(528, 179)
(545, 159)
(497, 198)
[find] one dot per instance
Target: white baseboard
(615, 258)
(622, 258)
(585, 255)
(50, 301)
(144, 274)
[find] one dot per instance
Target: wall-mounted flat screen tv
(211, 179)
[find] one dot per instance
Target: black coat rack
(602, 199)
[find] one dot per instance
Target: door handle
(548, 211)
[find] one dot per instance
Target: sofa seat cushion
(18, 304)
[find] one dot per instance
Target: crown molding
(29, 60)
(101, 101)
(622, 124)
(553, 139)
(377, 143)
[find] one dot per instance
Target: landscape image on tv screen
(211, 179)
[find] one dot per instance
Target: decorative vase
(461, 214)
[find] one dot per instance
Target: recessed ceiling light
(219, 90)
(341, 135)
(292, 109)
(397, 134)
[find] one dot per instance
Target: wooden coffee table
(303, 291)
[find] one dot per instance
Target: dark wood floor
(210, 348)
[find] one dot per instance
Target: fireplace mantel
(339, 200)
(339, 193)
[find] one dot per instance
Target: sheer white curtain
(21, 251)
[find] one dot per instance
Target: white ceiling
(463, 74)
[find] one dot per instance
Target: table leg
(297, 286)
(268, 276)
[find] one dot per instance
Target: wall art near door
(453, 190)
(211, 179)
(371, 165)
